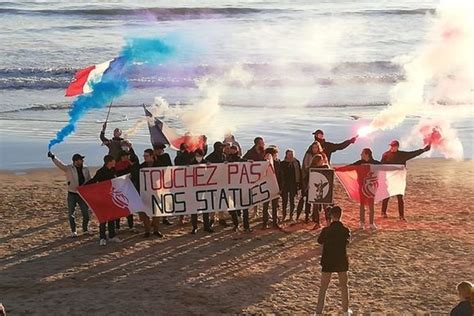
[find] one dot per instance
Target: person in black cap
(398, 157)
(162, 159)
(76, 175)
(329, 147)
(106, 172)
(217, 156)
(334, 240)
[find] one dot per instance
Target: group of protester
(292, 177)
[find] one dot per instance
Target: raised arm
(407, 155)
(104, 139)
(332, 147)
(57, 162)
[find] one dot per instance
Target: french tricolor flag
(85, 78)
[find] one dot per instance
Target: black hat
(318, 131)
(108, 158)
(394, 143)
(77, 157)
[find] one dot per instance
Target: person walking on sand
(465, 306)
(334, 240)
(107, 172)
(366, 158)
(290, 175)
(398, 157)
(76, 175)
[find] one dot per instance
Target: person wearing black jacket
(398, 157)
(257, 152)
(328, 147)
(107, 172)
(162, 159)
(366, 158)
(271, 154)
(290, 175)
(199, 159)
(334, 240)
(217, 156)
(116, 144)
(235, 157)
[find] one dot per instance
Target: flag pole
(108, 112)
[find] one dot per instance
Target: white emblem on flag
(119, 198)
(370, 185)
(322, 186)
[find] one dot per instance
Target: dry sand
(404, 268)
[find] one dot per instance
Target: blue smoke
(114, 82)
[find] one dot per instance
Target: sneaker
(402, 218)
(158, 234)
(348, 313)
(167, 222)
(362, 225)
(102, 242)
(373, 226)
(264, 226)
(74, 235)
(194, 231)
(211, 222)
(115, 239)
(146, 235)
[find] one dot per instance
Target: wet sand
(403, 268)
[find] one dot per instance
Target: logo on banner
(119, 198)
(320, 189)
(370, 185)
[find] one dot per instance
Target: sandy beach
(403, 268)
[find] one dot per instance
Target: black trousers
(288, 196)
(129, 222)
(205, 219)
(274, 211)
(110, 228)
(401, 206)
(245, 218)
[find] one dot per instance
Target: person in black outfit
(107, 172)
(217, 156)
(162, 159)
(234, 156)
(290, 175)
(366, 158)
(257, 152)
(334, 239)
(183, 158)
(328, 147)
(271, 154)
(199, 159)
(398, 157)
(466, 294)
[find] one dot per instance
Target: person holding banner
(107, 172)
(271, 154)
(398, 157)
(217, 156)
(290, 175)
(234, 156)
(183, 158)
(76, 174)
(366, 158)
(162, 159)
(199, 159)
(334, 240)
(257, 152)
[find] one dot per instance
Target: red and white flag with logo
(113, 198)
(372, 183)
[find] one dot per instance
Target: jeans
(110, 227)
(274, 212)
(288, 195)
(245, 218)
(401, 206)
(72, 200)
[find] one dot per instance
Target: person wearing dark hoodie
(234, 156)
(366, 158)
(116, 144)
(197, 160)
(397, 157)
(257, 152)
(217, 156)
(183, 158)
(271, 154)
(162, 159)
(106, 172)
(290, 175)
(328, 147)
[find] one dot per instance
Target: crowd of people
(292, 177)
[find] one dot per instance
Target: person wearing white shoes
(366, 158)
(76, 174)
(334, 240)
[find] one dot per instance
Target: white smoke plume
(441, 71)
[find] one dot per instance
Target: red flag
(372, 183)
(112, 199)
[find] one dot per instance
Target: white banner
(183, 190)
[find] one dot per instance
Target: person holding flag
(366, 158)
(397, 157)
(117, 144)
(76, 175)
(328, 147)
